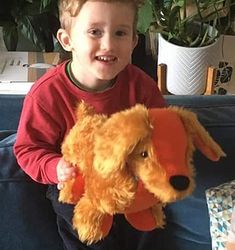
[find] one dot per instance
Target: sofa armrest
(10, 110)
(27, 218)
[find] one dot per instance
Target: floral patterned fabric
(220, 201)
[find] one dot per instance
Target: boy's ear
(64, 39)
(135, 41)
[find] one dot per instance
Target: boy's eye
(121, 33)
(95, 32)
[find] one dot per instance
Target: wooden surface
(38, 57)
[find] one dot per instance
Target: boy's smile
(106, 59)
(101, 40)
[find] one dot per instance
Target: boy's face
(101, 40)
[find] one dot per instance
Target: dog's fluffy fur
(115, 154)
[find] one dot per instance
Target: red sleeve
(35, 146)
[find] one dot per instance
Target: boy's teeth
(105, 58)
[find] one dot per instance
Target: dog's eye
(144, 154)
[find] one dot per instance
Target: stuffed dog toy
(133, 162)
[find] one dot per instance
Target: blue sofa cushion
(27, 219)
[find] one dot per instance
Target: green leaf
(48, 5)
(174, 18)
(31, 32)
(145, 17)
(180, 3)
(10, 35)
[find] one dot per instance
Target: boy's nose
(107, 42)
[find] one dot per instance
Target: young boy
(101, 34)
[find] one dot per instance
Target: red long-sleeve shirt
(48, 114)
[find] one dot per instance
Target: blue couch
(28, 221)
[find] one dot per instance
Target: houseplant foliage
(36, 20)
(189, 23)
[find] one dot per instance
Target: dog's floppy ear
(201, 138)
(117, 138)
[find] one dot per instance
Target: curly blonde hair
(71, 8)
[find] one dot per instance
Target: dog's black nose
(179, 182)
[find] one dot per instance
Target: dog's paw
(91, 224)
(88, 233)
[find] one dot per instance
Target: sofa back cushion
(188, 224)
(10, 110)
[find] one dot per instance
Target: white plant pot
(187, 67)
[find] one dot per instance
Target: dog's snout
(179, 182)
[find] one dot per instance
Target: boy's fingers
(68, 170)
(66, 174)
(60, 185)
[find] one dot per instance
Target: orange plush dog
(133, 162)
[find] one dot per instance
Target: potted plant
(189, 30)
(34, 20)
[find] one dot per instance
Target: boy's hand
(65, 171)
